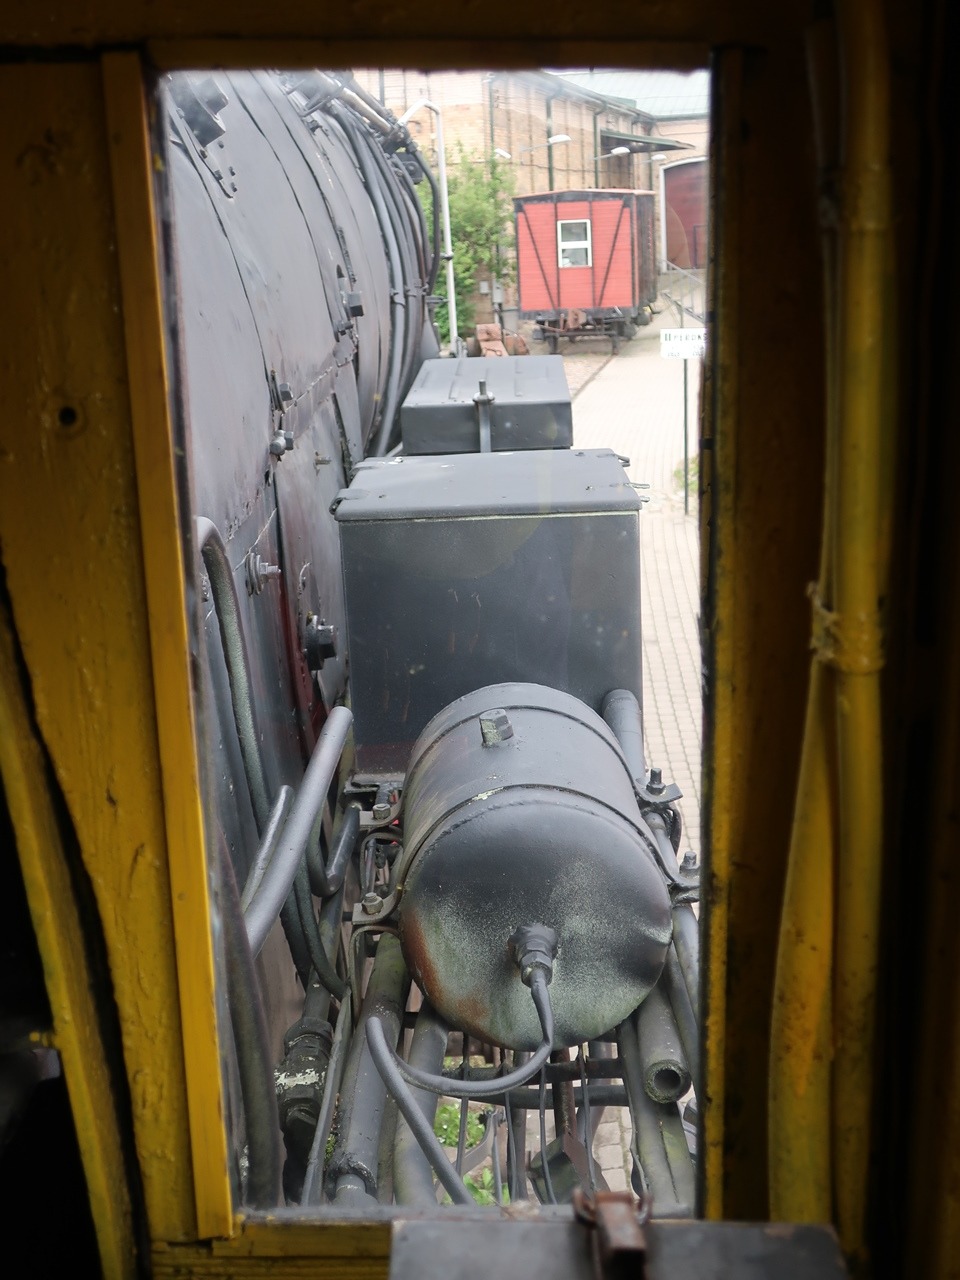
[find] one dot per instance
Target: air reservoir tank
(518, 809)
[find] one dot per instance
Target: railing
(686, 289)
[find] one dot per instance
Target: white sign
(682, 344)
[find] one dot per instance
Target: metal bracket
(615, 1221)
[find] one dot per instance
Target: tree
(480, 191)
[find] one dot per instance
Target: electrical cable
(472, 1089)
(385, 1060)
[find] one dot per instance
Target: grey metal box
(473, 569)
(531, 406)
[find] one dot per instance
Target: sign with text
(682, 344)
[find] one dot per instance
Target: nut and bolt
(656, 781)
(381, 811)
(689, 862)
(258, 571)
(495, 727)
(372, 902)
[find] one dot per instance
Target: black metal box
(530, 406)
(473, 569)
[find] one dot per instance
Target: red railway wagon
(586, 265)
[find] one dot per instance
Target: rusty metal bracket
(618, 1243)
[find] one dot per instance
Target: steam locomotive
(439, 864)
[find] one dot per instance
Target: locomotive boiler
(440, 865)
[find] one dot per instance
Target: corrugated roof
(668, 95)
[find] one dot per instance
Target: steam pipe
(675, 990)
(686, 939)
(254, 1061)
(268, 845)
(354, 1166)
(227, 608)
(623, 715)
(279, 876)
(666, 1076)
(412, 1169)
(673, 1196)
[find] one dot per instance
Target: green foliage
(480, 191)
(482, 1187)
(446, 1125)
(694, 473)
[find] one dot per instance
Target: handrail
(686, 289)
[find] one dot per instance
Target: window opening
(574, 244)
(484, 534)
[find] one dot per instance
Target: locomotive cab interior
(133, 708)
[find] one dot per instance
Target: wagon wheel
(629, 330)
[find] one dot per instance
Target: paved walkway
(633, 403)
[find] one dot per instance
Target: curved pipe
(254, 1062)
(327, 880)
(268, 845)
(500, 1084)
(227, 608)
(280, 874)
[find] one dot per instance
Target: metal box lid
(465, 485)
(530, 408)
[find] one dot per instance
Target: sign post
(683, 344)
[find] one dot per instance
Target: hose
(472, 1089)
(358, 144)
(227, 608)
(322, 967)
(254, 1062)
(280, 874)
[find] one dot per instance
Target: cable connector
(534, 946)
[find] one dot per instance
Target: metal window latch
(615, 1221)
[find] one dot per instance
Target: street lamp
(550, 142)
(444, 212)
(617, 151)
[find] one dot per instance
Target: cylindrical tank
(519, 809)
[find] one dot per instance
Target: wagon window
(573, 243)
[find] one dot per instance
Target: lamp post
(550, 142)
(606, 155)
(444, 212)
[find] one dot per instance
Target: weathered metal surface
(472, 569)
(530, 408)
(540, 825)
(555, 1246)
